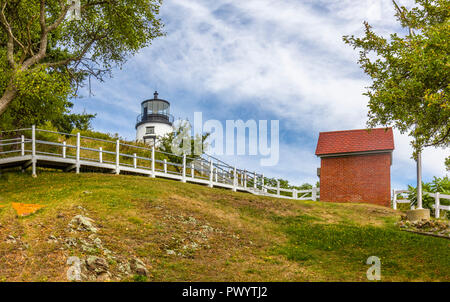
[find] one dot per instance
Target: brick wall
(357, 178)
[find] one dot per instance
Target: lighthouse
(154, 121)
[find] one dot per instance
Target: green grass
(237, 236)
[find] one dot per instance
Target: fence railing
(437, 201)
(32, 146)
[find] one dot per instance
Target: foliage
(441, 185)
(410, 73)
(447, 163)
(45, 57)
(181, 140)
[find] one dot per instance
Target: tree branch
(44, 34)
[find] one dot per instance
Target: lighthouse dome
(154, 121)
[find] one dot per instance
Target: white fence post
(22, 145)
(100, 155)
(245, 179)
(394, 200)
(183, 176)
(314, 194)
(255, 179)
(294, 193)
(437, 204)
(134, 160)
(278, 187)
(242, 179)
(117, 157)
(33, 150)
(192, 170)
(77, 165)
(153, 162)
(234, 179)
(262, 184)
(215, 174)
(210, 173)
(64, 150)
(165, 166)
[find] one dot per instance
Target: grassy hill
(186, 232)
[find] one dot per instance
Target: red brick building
(355, 165)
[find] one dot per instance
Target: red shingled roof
(361, 140)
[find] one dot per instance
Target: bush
(441, 185)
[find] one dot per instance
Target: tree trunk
(7, 97)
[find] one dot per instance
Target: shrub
(441, 185)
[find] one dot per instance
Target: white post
(183, 176)
(210, 174)
(192, 170)
(255, 179)
(215, 174)
(294, 193)
(64, 150)
(245, 179)
(314, 194)
(262, 183)
(33, 149)
(134, 160)
(419, 180)
(117, 156)
(437, 204)
(22, 145)
(100, 155)
(278, 187)
(234, 179)
(153, 162)
(77, 157)
(394, 200)
(165, 166)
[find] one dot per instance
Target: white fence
(26, 147)
(437, 201)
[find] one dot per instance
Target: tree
(181, 141)
(410, 73)
(45, 57)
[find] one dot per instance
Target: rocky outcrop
(82, 223)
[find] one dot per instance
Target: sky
(259, 60)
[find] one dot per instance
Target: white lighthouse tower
(154, 121)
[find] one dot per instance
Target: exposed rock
(193, 246)
(82, 223)
(138, 267)
(11, 239)
(105, 276)
(88, 248)
(171, 252)
(98, 242)
(71, 242)
(52, 239)
(125, 268)
(97, 264)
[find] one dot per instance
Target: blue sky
(261, 60)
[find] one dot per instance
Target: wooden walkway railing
(31, 147)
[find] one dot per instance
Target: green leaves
(51, 59)
(411, 73)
